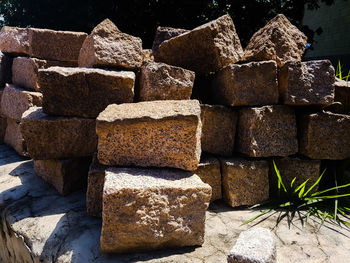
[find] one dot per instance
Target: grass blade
(280, 182)
(331, 189)
(316, 183)
(291, 184)
(256, 217)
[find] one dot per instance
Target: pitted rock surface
(165, 33)
(14, 40)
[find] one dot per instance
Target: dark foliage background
(141, 17)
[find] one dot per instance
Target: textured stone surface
(13, 137)
(159, 81)
(307, 83)
(290, 168)
(204, 49)
(96, 179)
(15, 101)
(165, 33)
(325, 135)
(65, 175)
(251, 84)
(14, 40)
(84, 92)
(5, 69)
(156, 133)
(49, 137)
(3, 125)
(244, 182)
(106, 46)
(148, 209)
(55, 45)
(342, 95)
(278, 40)
(209, 172)
(25, 70)
(256, 245)
(267, 131)
(38, 224)
(147, 55)
(218, 129)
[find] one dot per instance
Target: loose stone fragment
(13, 137)
(209, 171)
(204, 49)
(15, 101)
(106, 46)
(49, 137)
(3, 125)
(84, 92)
(160, 81)
(156, 133)
(278, 40)
(65, 175)
(342, 95)
(25, 70)
(255, 245)
(267, 131)
(244, 182)
(147, 55)
(14, 40)
(218, 129)
(307, 83)
(55, 45)
(147, 209)
(5, 69)
(250, 84)
(325, 135)
(165, 33)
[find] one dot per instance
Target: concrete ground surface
(38, 225)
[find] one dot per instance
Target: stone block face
(106, 46)
(14, 40)
(94, 193)
(25, 71)
(278, 40)
(50, 137)
(342, 95)
(14, 138)
(159, 81)
(84, 92)
(65, 175)
(147, 209)
(218, 129)
(55, 45)
(165, 33)
(147, 55)
(157, 133)
(291, 168)
(307, 83)
(5, 69)
(244, 182)
(324, 135)
(267, 131)
(255, 245)
(3, 125)
(209, 172)
(251, 84)
(15, 101)
(204, 49)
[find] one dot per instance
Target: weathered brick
(14, 138)
(14, 40)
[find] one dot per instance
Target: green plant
(339, 73)
(305, 202)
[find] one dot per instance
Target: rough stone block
(49, 137)
(267, 131)
(15, 101)
(65, 175)
(14, 40)
(147, 209)
(156, 133)
(251, 84)
(204, 49)
(218, 129)
(165, 33)
(307, 83)
(3, 125)
(106, 46)
(342, 95)
(244, 182)
(159, 81)
(255, 245)
(84, 92)
(13, 137)
(325, 135)
(25, 70)
(5, 69)
(209, 172)
(55, 45)
(147, 55)
(278, 40)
